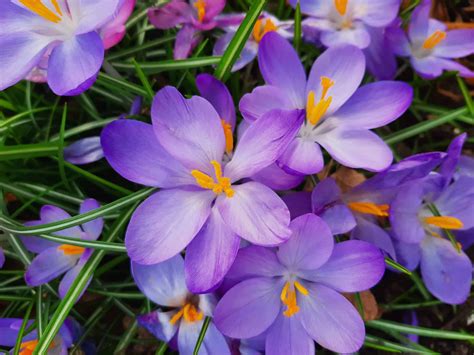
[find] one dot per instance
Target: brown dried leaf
(369, 303)
(348, 178)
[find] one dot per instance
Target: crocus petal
(256, 213)
(190, 130)
(84, 151)
(287, 336)
(281, 67)
(14, 19)
(446, 272)
(345, 65)
(372, 233)
(48, 265)
(214, 8)
(68, 280)
(357, 36)
(457, 44)
(132, 149)
(408, 254)
(210, 254)
(303, 157)
(94, 227)
(375, 105)
(74, 64)
(432, 67)
(298, 203)
(165, 223)
(9, 328)
(339, 219)
(377, 13)
(94, 14)
(36, 244)
(114, 31)
(158, 323)
(450, 164)
(353, 266)
(399, 41)
(214, 342)
(419, 22)
(331, 320)
(313, 8)
(171, 14)
(51, 214)
(310, 245)
(247, 55)
(185, 42)
(325, 193)
(380, 58)
(356, 148)
(2, 258)
(163, 283)
(255, 301)
(277, 179)
(19, 55)
(263, 142)
(218, 95)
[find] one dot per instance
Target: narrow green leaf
(297, 36)
(39, 310)
(467, 95)
(62, 172)
(168, 65)
(135, 49)
(12, 119)
(397, 266)
(382, 344)
(202, 334)
(125, 85)
(144, 80)
(24, 151)
(21, 331)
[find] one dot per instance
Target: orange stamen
(71, 249)
(28, 347)
(341, 6)
(207, 182)
(315, 111)
(288, 297)
(200, 6)
(261, 29)
(434, 39)
(42, 10)
(444, 222)
(189, 313)
(229, 136)
(369, 208)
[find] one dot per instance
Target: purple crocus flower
(60, 34)
(201, 205)
(2, 258)
(293, 292)
(339, 116)
(430, 46)
(54, 260)
(181, 323)
(114, 31)
(194, 16)
(265, 24)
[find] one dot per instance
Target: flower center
(434, 39)
(341, 6)
(262, 27)
(444, 222)
(71, 249)
(314, 111)
(28, 347)
(42, 10)
(190, 314)
(369, 208)
(288, 297)
(229, 137)
(200, 6)
(207, 182)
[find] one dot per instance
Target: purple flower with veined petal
(293, 292)
(339, 116)
(60, 33)
(195, 16)
(201, 205)
(114, 31)
(55, 259)
(430, 46)
(181, 323)
(265, 24)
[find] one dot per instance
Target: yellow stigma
(288, 297)
(369, 208)
(206, 182)
(262, 28)
(189, 313)
(71, 249)
(28, 347)
(200, 6)
(315, 111)
(229, 136)
(42, 10)
(434, 39)
(444, 222)
(341, 6)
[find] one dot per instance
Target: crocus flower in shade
(265, 24)
(114, 31)
(2, 258)
(201, 205)
(430, 46)
(194, 16)
(64, 33)
(181, 322)
(339, 116)
(55, 259)
(347, 21)
(293, 292)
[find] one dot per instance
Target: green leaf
(397, 266)
(202, 334)
(168, 65)
(144, 80)
(297, 36)
(21, 331)
(467, 95)
(24, 151)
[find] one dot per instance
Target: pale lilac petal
(375, 105)
(36, 244)
(353, 266)
(165, 223)
(450, 164)
(48, 265)
(345, 65)
(356, 148)
(457, 44)
(298, 203)
(94, 227)
(303, 157)
(189, 129)
(50, 214)
(339, 219)
(229, 19)
(210, 254)
(158, 323)
(256, 213)
(399, 41)
(74, 64)
(378, 13)
(287, 336)
(263, 142)
(132, 149)
(247, 55)
(408, 254)
(310, 245)
(331, 320)
(313, 8)
(419, 22)
(94, 14)
(214, 342)
(84, 151)
(372, 233)
(277, 179)
(68, 280)
(218, 95)
(14, 19)
(357, 36)
(255, 301)
(281, 67)
(214, 8)
(171, 14)
(185, 42)
(325, 193)
(163, 283)
(446, 272)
